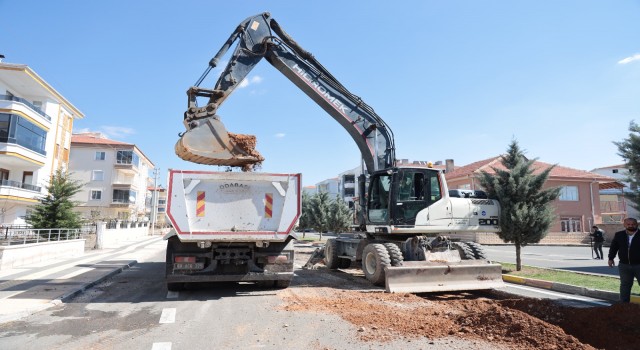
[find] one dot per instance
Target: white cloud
(280, 135)
(253, 80)
(114, 132)
(630, 59)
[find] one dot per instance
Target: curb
(567, 288)
(82, 288)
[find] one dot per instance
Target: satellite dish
(132, 199)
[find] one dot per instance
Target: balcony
(18, 184)
(613, 207)
(26, 103)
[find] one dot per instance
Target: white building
(116, 178)
(35, 135)
(613, 205)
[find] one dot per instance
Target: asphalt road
(133, 310)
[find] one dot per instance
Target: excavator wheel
(374, 259)
(395, 254)
(478, 250)
(331, 259)
(466, 253)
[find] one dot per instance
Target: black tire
(374, 259)
(344, 263)
(175, 286)
(395, 254)
(331, 254)
(466, 253)
(478, 250)
(283, 284)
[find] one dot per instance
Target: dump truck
(410, 224)
(231, 227)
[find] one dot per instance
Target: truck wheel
(344, 263)
(331, 254)
(283, 283)
(478, 250)
(374, 259)
(395, 254)
(175, 286)
(466, 253)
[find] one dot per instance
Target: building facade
(36, 124)
(578, 207)
(116, 177)
(157, 205)
(613, 204)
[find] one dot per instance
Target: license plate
(188, 266)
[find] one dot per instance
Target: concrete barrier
(17, 255)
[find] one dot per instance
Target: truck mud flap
(423, 276)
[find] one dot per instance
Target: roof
(558, 171)
(93, 139)
(620, 166)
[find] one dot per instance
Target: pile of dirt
(247, 143)
(520, 323)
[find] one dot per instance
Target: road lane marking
(564, 296)
(172, 295)
(161, 346)
(168, 315)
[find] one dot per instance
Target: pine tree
(526, 212)
(629, 150)
(320, 212)
(56, 209)
(305, 216)
(340, 216)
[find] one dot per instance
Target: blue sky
(453, 79)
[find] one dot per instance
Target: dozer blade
(210, 143)
(426, 276)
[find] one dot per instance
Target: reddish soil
(499, 318)
(247, 143)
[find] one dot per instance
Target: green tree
(340, 216)
(55, 210)
(629, 150)
(526, 212)
(320, 212)
(305, 216)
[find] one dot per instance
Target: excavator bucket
(210, 143)
(431, 276)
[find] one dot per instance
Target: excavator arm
(207, 141)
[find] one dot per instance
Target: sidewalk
(32, 288)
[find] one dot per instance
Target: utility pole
(154, 201)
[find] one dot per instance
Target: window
(615, 171)
(96, 194)
(4, 174)
(127, 157)
(100, 155)
(349, 179)
(97, 175)
(349, 192)
(569, 193)
(124, 196)
(570, 224)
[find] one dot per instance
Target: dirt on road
(494, 317)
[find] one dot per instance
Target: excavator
(410, 224)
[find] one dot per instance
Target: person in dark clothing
(626, 244)
(598, 239)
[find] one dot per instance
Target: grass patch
(575, 279)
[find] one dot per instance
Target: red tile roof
(94, 140)
(558, 171)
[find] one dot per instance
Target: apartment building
(36, 124)
(116, 177)
(157, 205)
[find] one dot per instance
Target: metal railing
(27, 103)
(18, 184)
(14, 236)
